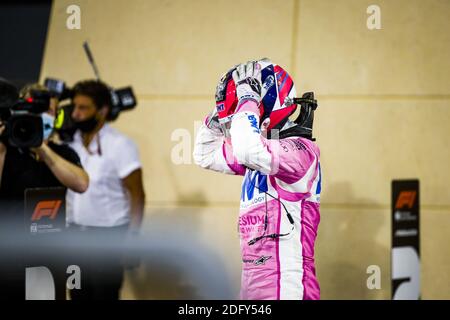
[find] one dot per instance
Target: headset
(305, 119)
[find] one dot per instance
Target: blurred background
(384, 107)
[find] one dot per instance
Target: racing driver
(250, 134)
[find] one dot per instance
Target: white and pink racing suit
(281, 178)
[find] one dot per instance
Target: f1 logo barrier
(406, 198)
(45, 221)
(405, 262)
(46, 208)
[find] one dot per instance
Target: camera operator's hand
(70, 175)
(37, 150)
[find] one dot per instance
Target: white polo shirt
(106, 202)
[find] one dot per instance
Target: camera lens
(25, 131)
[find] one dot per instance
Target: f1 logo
(46, 208)
(405, 198)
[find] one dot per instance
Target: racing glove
(212, 121)
(247, 78)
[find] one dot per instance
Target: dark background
(23, 30)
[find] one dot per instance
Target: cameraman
(113, 205)
(49, 165)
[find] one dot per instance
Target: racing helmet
(278, 93)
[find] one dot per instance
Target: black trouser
(100, 264)
(12, 280)
(13, 247)
(19, 250)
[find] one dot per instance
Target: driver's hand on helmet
(247, 77)
(212, 120)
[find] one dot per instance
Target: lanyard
(99, 147)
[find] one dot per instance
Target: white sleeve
(212, 152)
(248, 145)
(127, 157)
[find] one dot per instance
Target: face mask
(87, 125)
(48, 122)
